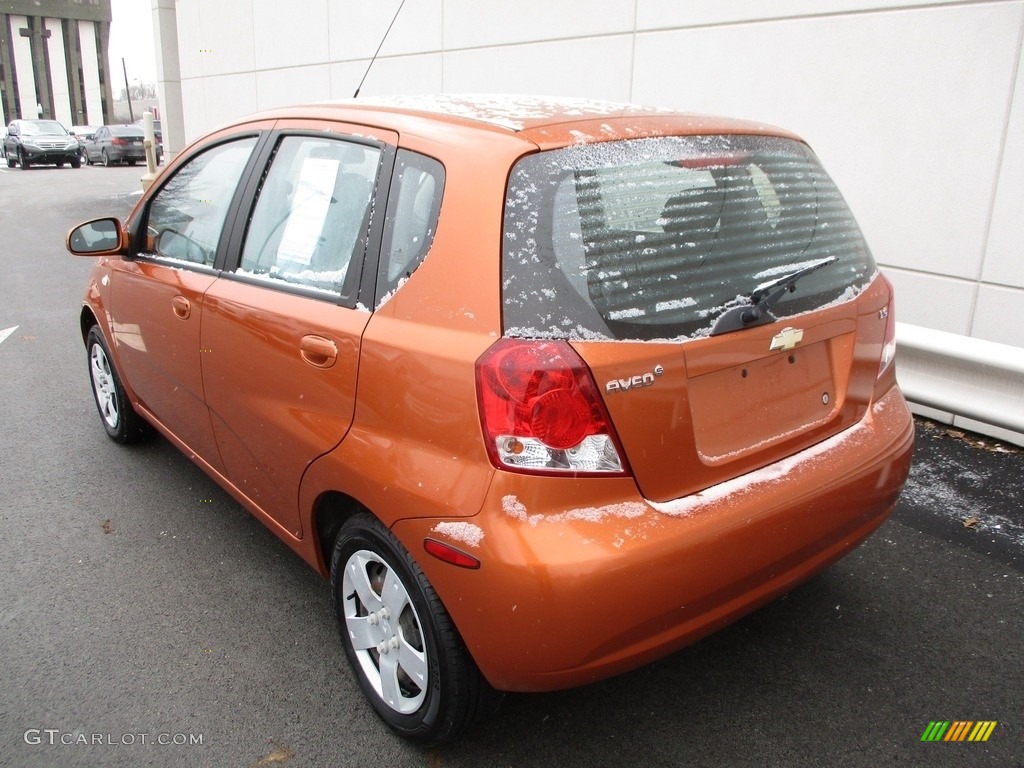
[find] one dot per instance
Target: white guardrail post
(976, 379)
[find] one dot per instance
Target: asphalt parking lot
(146, 619)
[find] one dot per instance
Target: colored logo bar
(958, 730)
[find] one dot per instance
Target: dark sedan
(112, 144)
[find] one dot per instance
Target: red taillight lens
(118, 142)
(541, 411)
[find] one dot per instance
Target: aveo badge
(634, 382)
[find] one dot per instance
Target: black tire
(10, 162)
(122, 423)
(75, 163)
(23, 161)
(106, 159)
(131, 162)
(454, 694)
(60, 163)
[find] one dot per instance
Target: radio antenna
(386, 33)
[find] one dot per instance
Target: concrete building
(53, 61)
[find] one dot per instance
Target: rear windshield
(656, 238)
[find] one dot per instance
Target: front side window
(311, 215)
(186, 217)
(657, 238)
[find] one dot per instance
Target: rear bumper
(119, 154)
(584, 579)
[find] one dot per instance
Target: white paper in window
(310, 204)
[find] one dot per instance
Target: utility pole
(127, 91)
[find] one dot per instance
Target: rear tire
(406, 653)
(122, 423)
(106, 159)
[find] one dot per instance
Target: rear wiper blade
(759, 309)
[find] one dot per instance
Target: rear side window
(413, 209)
(656, 238)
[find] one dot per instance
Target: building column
(57, 61)
(21, 53)
(168, 74)
(37, 34)
(90, 72)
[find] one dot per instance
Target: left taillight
(889, 342)
(541, 412)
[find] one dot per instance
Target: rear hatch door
(654, 258)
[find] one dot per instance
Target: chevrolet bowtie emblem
(787, 338)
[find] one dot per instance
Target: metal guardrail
(973, 378)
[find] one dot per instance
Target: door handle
(181, 306)
(318, 351)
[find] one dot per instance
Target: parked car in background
(158, 137)
(116, 144)
(548, 389)
(40, 142)
(84, 134)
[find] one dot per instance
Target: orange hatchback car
(548, 388)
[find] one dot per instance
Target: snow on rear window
(654, 238)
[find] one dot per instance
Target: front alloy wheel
(120, 420)
(409, 659)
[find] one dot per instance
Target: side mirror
(102, 237)
(174, 245)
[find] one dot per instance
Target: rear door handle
(318, 351)
(181, 306)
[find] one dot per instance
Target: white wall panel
(190, 39)
(933, 301)
(229, 97)
(193, 96)
(1004, 257)
(356, 29)
(288, 34)
(472, 24)
(997, 315)
(905, 108)
(661, 14)
(216, 38)
(296, 85)
(588, 68)
(401, 74)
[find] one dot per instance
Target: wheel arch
(330, 512)
(86, 320)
